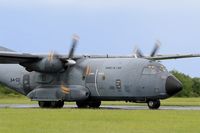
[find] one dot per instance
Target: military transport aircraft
(53, 79)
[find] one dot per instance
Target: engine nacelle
(45, 66)
(55, 93)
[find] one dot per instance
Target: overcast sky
(105, 27)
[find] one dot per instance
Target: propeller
(53, 63)
(70, 60)
(64, 89)
(138, 53)
(156, 48)
(75, 40)
(52, 55)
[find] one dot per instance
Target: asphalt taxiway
(115, 107)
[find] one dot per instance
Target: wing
(168, 57)
(17, 58)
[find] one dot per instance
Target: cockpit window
(152, 69)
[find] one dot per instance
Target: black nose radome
(173, 85)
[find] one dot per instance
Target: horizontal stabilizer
(6, 49)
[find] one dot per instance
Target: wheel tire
(94, 104)
(60, 104)
(54, 104)
(153, 104)
(57, 104)
(41, 104)
(44, 104)
(82, 104)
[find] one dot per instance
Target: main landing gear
(153, 104)
(51, 104)
(91, 104)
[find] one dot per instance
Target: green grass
(98, 121)
(16, 100)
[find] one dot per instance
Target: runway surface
(23, 106)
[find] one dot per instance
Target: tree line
(191, 86)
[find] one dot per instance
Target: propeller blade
(51, 56)
(138, 53)
(64, 89)
(155, 49)
(73, 47)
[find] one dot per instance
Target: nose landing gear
(153, 104)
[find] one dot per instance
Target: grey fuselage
(127, 79)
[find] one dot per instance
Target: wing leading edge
(17, 58)
(176, 56)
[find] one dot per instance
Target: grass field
(98, 121)
(67, 120)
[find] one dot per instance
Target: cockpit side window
(162, 69)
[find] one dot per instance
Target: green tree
(196, 86)
(187, 84)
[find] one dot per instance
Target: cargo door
(91, 80)
(26, 83)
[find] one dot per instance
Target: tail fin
(6, 49)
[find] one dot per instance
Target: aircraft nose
(173, 85)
